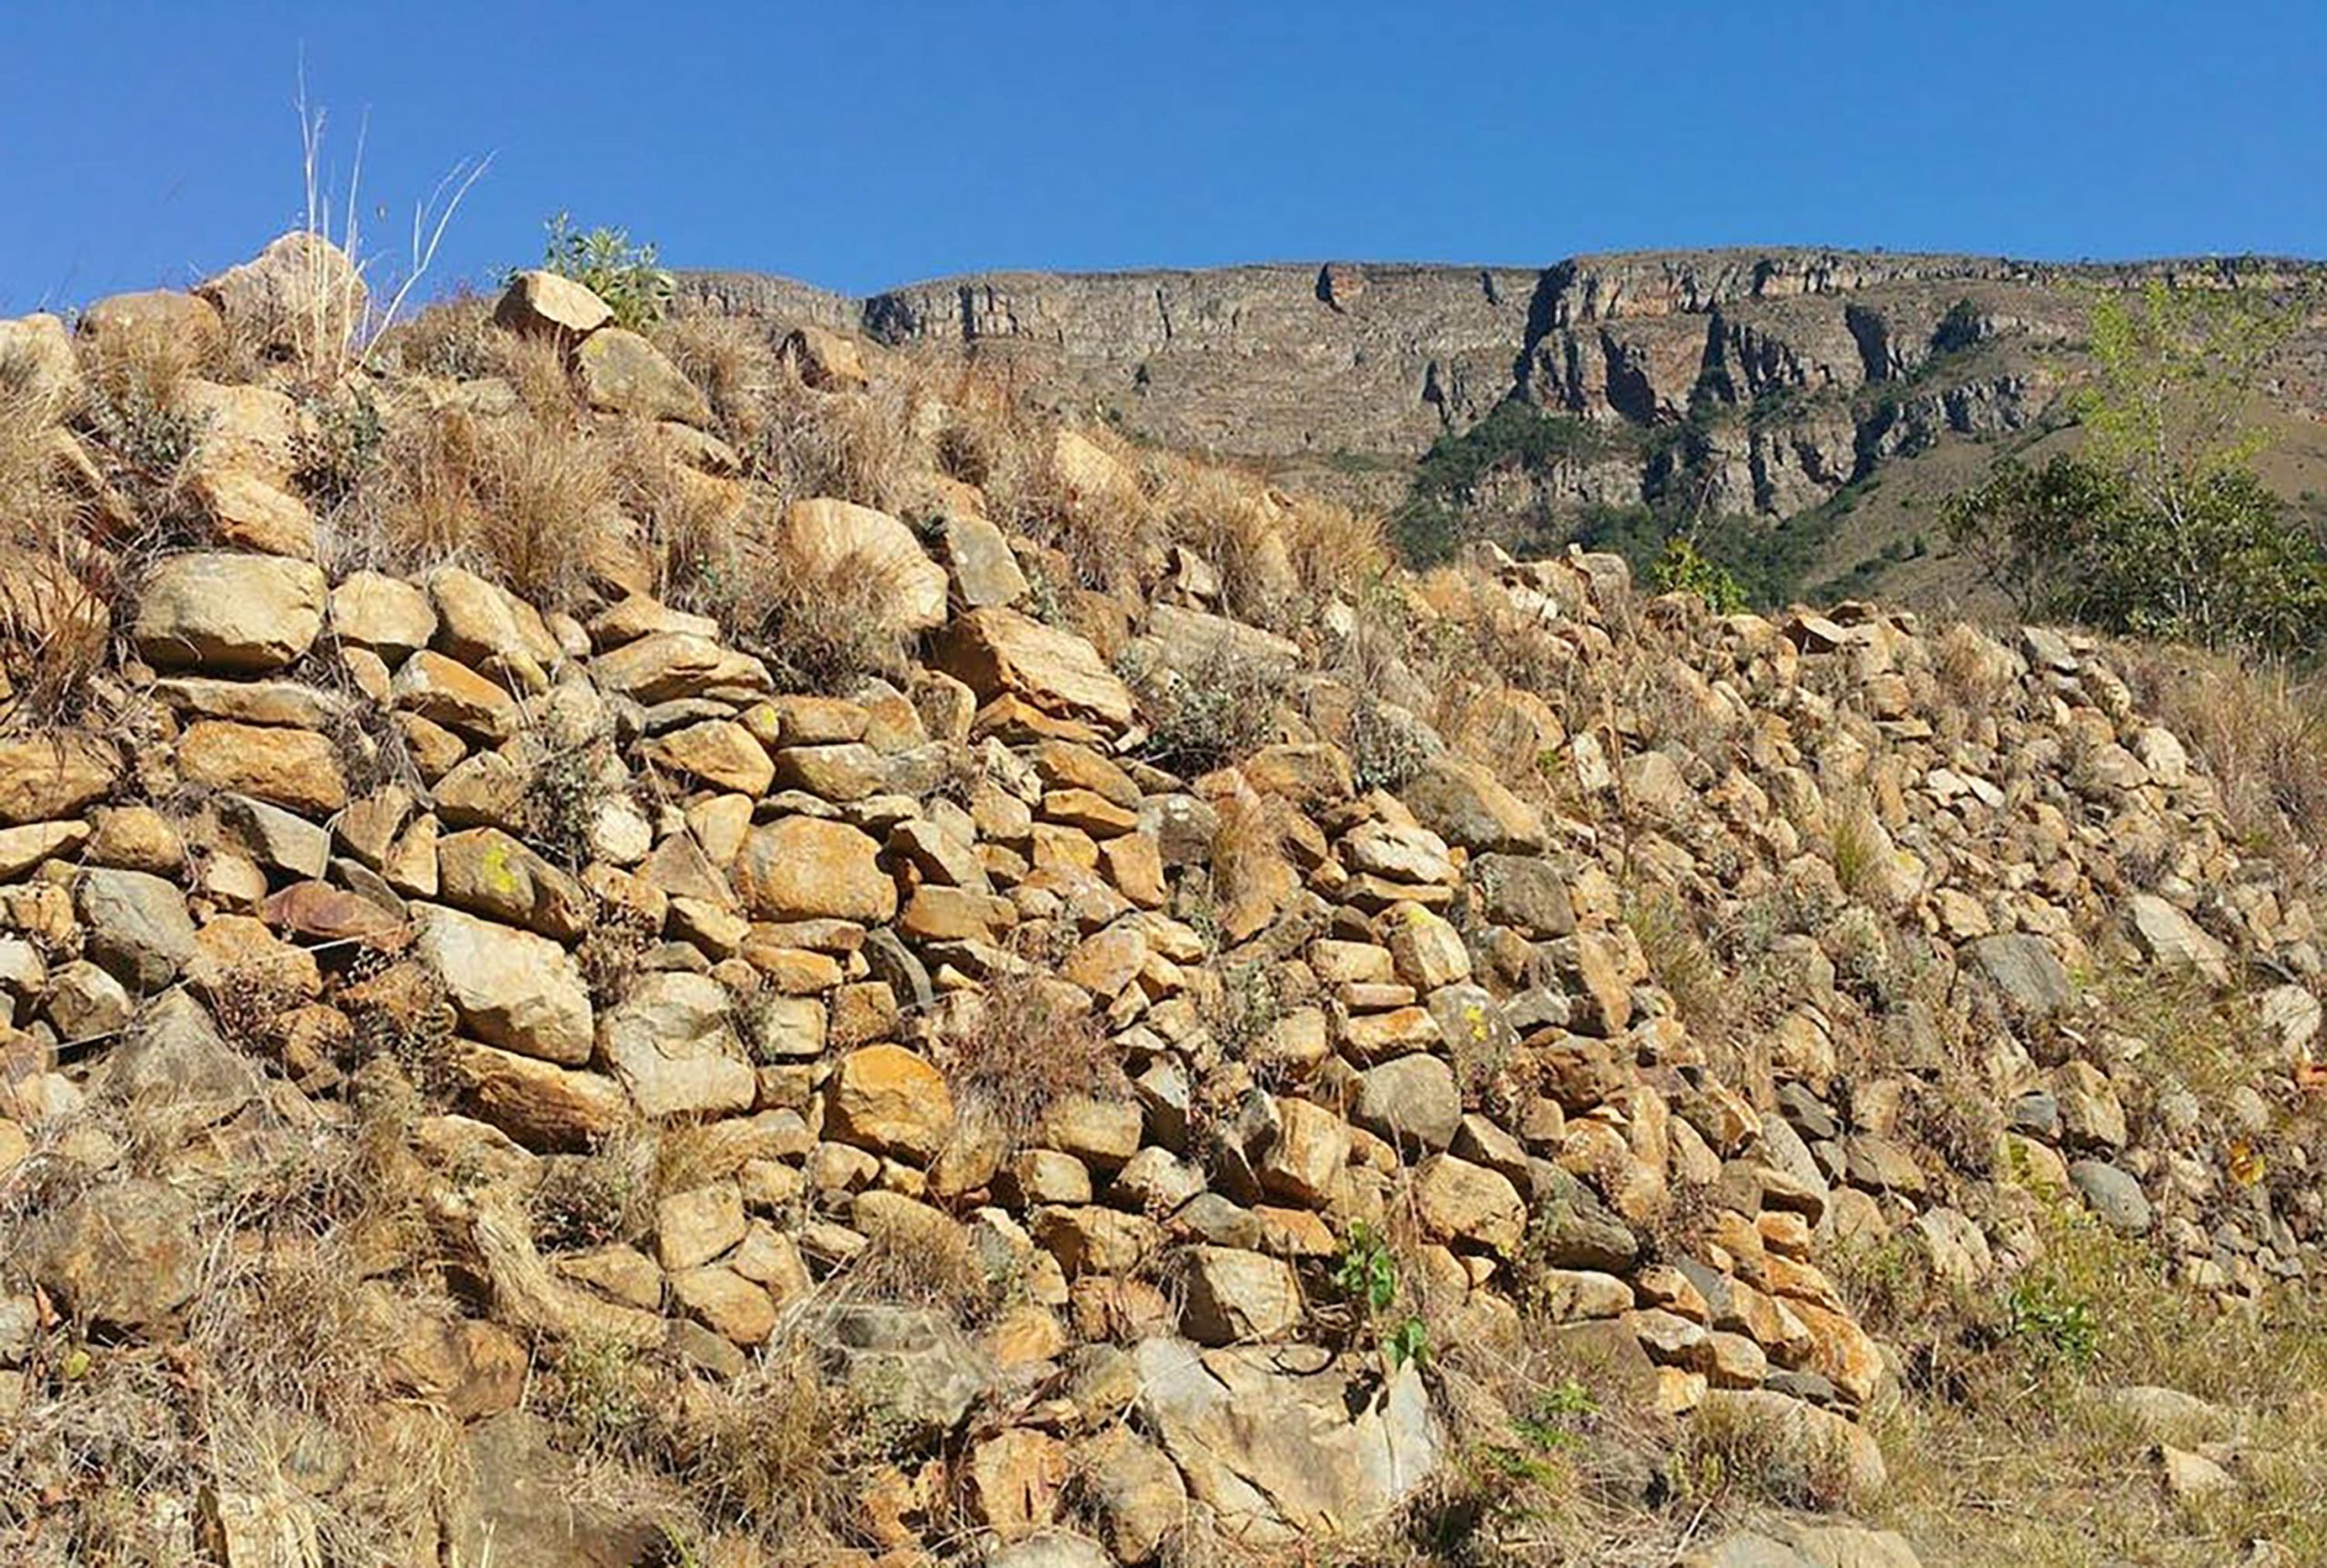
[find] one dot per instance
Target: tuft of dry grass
(56, 619)
(820, 626)
(531, 502)
(1022, 1047)
(2261, 732)
(733, 360)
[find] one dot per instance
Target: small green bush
(628, 277)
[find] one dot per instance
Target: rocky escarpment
(1100, 1122)
(1803, 369)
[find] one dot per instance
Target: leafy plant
(1683, 569)
(1367, 1277)
(1367, 1273)
(629, 277)
(2047, 1317)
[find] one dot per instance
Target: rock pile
(946, 958)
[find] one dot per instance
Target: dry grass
(2261, 732)
(285, 1360)
(1999, 1452)
(531, 503)
(733, 361)
(1021, 1048)
(820, 626)
(55, 620)
(921, 1257)
(869, 447)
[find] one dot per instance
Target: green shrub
(1682, 569)
(628, 277)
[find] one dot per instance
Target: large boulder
(997, 652)
(822, 536)
(804, 868)
(621, 372)
(301, 295)
(1280, 1444)
(673, 1044)
(230, 614)
(510, 988)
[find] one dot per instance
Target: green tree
(2159, 525)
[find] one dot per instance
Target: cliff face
(1299, 361)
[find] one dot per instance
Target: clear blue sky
(865, 143)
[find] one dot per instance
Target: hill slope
(655, 949)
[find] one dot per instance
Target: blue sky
(869, 143)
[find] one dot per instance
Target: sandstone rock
(39, 354)
(671, 1043)
(232, 615)
(545, 303)
(1412, 1102)
(801, 868)
(667, 667)
(1457, 1201)
(1238, 1297)
(301, 297)
(448, 692)
(115, 326)
(543, 1106)
(513, 989)
(386, 615)
(23, 848)
(826, 360)
(485, 871)
(138, 927)
(1465, 805)
(997, 652)
(1273, 1442)
(49, 778)
(491, 630)
(296, 769)
(889, 1100)
(718, 752)
(826, 535)
(621, 372)
(977, 554)
(2171, 938)
(123, 1256)
(252, 512)
(910, 1364)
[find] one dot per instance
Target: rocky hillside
(1757, 384)
(706, 947)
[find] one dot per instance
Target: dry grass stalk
(2260, 730)
(1024, 1044)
